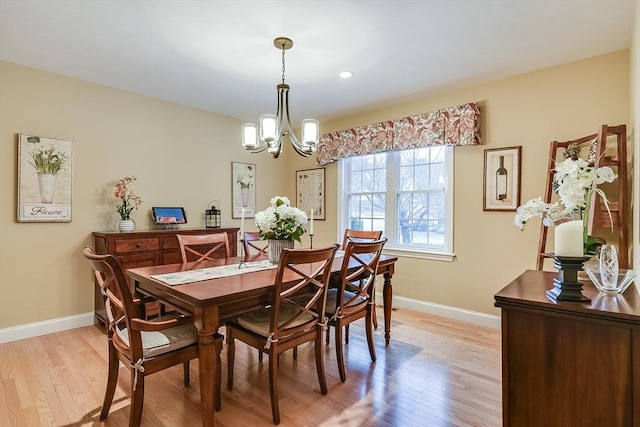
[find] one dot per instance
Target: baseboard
(31, 330)
(455, 313)
(36, 329)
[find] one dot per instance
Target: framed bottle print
(502, 179)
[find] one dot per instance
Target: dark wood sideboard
(568, 363)
(147, 248)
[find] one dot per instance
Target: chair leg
(340, 353)
(375, 317)
(328, 336)
(260, 355)
(370, 341)
(231, 355)
(346, 334)
(273, 385)
(295, 353)
(322, 378)
(112, 381)
(218, 339)
(186, 373)
(137, 399)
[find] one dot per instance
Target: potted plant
(128, 202)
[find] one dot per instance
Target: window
(408, 194)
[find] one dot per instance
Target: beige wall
(560, 103)
(182, 156)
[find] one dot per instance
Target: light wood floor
(435, 372)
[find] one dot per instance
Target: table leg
(387, 300)
(208, 355)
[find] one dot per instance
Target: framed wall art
(243, 189)
(310, 192)
(502, 179)
(45, 178)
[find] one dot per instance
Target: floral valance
(459, 125)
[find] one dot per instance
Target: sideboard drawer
(123, 246)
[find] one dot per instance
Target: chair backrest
(118, 302)
(358, 275)
(252, 249)
(360, 235)
(190, 243)
(300, 295)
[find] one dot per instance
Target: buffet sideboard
(569, 363)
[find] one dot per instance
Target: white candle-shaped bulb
(311, 223)
(242, 224)
(568, 239)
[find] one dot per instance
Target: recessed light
(346, 74)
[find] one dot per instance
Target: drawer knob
(138, 245)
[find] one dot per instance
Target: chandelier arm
(299, 147)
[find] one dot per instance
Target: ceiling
(219, 55)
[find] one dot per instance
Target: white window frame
(391, 247)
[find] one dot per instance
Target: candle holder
(311, 241)
(242, 255)
(566, 286)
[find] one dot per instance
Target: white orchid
(575, 182)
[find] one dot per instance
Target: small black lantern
(212, 215)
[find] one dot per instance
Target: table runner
(189, 276)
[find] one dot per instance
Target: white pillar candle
(242, 224)
(311, 223)
(568, 239)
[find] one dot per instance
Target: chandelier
(274, 128)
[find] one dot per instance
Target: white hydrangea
(281, 221)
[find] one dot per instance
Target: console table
(148, 248)
(568, 363)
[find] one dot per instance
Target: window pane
(380, 183)
(436, 176)
(422, 181)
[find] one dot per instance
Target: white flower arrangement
(575, 182)
(281, 221)
(245, 179)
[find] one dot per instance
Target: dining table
(212, 299)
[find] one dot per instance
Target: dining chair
(252, 249)
(353, 299)
(201, 247)
(358, 235)
(294, 316)
(143, 346)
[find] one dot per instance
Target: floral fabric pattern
(459, 125)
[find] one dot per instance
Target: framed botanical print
(502, 179)
(45, 178)
(310, 192)
(243, 189)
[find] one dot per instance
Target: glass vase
(609, 267)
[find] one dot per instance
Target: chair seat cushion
(332, 297)
(259, 321)
(161, 342)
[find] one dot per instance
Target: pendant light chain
(283, 64)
